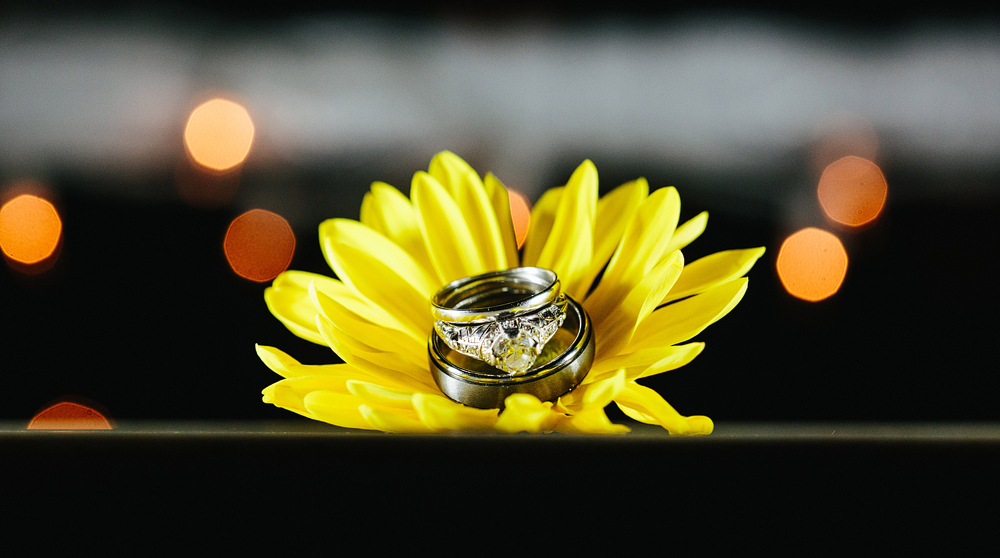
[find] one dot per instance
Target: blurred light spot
(812, 264)
(852, 191)
(218, 134)
(842, 134)
(30, 229)
(520, 213)
(69, 415)
(259, 245)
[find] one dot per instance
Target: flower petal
(525, 413)
(379, 270)
(439, 413)
(593, 394)
(445, 230)
(284, 365)
(500, 200)
(570, 245)
(288, 300)
(593, 421)
(336, 408)
(642, 248)
(645, 405)
(682, 320)
(712, 270)
(543, 216)
(290, 393)
(618, 329)
(377, 396)
(688, 232)
(381, 336)
(645, 362)
(387, 211)
(469, 194)
(615, 210)
(391, 422)
(389, 371)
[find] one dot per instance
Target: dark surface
(766, 480)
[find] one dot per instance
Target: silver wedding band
(487, 296)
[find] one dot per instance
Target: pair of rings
(506, 332)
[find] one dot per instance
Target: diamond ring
(503, 318)
(563, 364)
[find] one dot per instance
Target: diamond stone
(515, 354)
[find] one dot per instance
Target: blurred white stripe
(729, 95)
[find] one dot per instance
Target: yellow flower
(377, 318)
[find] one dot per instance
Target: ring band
(487, 296)
(563, 364)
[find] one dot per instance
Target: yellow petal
(377, 396)
(593, 394)
(645, 363)
(381, 336)
(453, 173)
(287, 299)
(380, 419)
(439, 413)
(570, 245)
(712, 270)
(387, 211)
(618, 329)
(614, 212)
(284, 365)
(682, 320)
(379, 270)
(467, 190)
(688, 232)
(645, 405)
(593, 421)
(293, 313)
(290, 393)
(369, 214)
(525, 413)
(641, 249)
(445, 230)
(350, 301)
(500, 200)
(543, 216)
(389, 371)
(336, 408)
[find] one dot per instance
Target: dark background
(142, 315)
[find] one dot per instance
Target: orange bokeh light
(520, 213)
(30, 229)
(218, 134)
(852, 191)
(259, 245)
(69, 415)
(812, 264)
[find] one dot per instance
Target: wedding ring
(481, 297)
(562, 365)
(503, 318)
